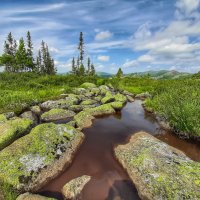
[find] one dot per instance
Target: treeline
(20, 58)
(78, 67)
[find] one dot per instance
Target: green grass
(17, 91)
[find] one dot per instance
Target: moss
(88, 85)
(117, 105)
(165, 172)
(95, 91)
(12, 130)
(22, 160)
(56, 114)
(2, 118)
(108, 98)
(120, 97)
(88, 102)
(36, 110)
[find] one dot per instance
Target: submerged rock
(29, 196)
(158, 170)
(31, 161)
(57, 114)
(72, 190)
(10, 130)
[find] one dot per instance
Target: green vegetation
(19, 58)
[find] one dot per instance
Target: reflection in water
(95, 157)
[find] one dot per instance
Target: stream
(95, 157)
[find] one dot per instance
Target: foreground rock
(29, 196)
(72, 190)
(158, 170)
(57, 114)
(31, 161)
(10, 130)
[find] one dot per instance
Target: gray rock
(72, 190)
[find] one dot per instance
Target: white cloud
(103, 35)
(130, 63)
(146, 58)
(103, 58)
(187, 6)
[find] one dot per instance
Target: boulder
(158, 170)
(124, 92)
(36, 110)
(117, 105)
(120, 98)
(143, 96)
(130, 98)
(95, 91)
(72, 190)
(9, 115)
(10, 130)
(108, 98)
(79, 91)
(33, 160)
(88, 102)
(72, 123)
(29, 196)
(84, 118)
(62, 103)
(57, 114)
(88, 85)
(29, 115)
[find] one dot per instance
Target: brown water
(95, 157)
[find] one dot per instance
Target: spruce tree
(73, 66)
(77, 66)
(82, 70)
(89, 66)
(119, 73)
(21, 57)
(92, 72)
(39, 62)
(81, 47)
(30, 60)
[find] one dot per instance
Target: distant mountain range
(161, 74)
(104, 74)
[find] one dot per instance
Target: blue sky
(137, 35)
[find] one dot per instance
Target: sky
(136, 35)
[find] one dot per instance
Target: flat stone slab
(72, 190)
(33, 160)
(158, 170)
(29, 196)
(57, 114)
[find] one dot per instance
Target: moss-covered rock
(29, 196)
(9, 115)
(108, 98)
(158, 170)
(117, 105)
(36, 110)
(98, 98)
(62, 103)
(29, 115)
(88, 85)
(10, 130)
(143, 96)
(88, 102)
(130, 98)
(57, 114)
(31, 161)
(120, 98)
(72, 190)
(2, 118)
(95, 91)
(84, 118)
(79, 91)
(72, 123)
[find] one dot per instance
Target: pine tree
(92, 72)
(73, 66)
(81, 47)
(39, 62)
(30, 60)
(21, 57)
(119, 73)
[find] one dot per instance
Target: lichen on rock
(88, 85)
(35, 158)
(57, 114)
(158, 170)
